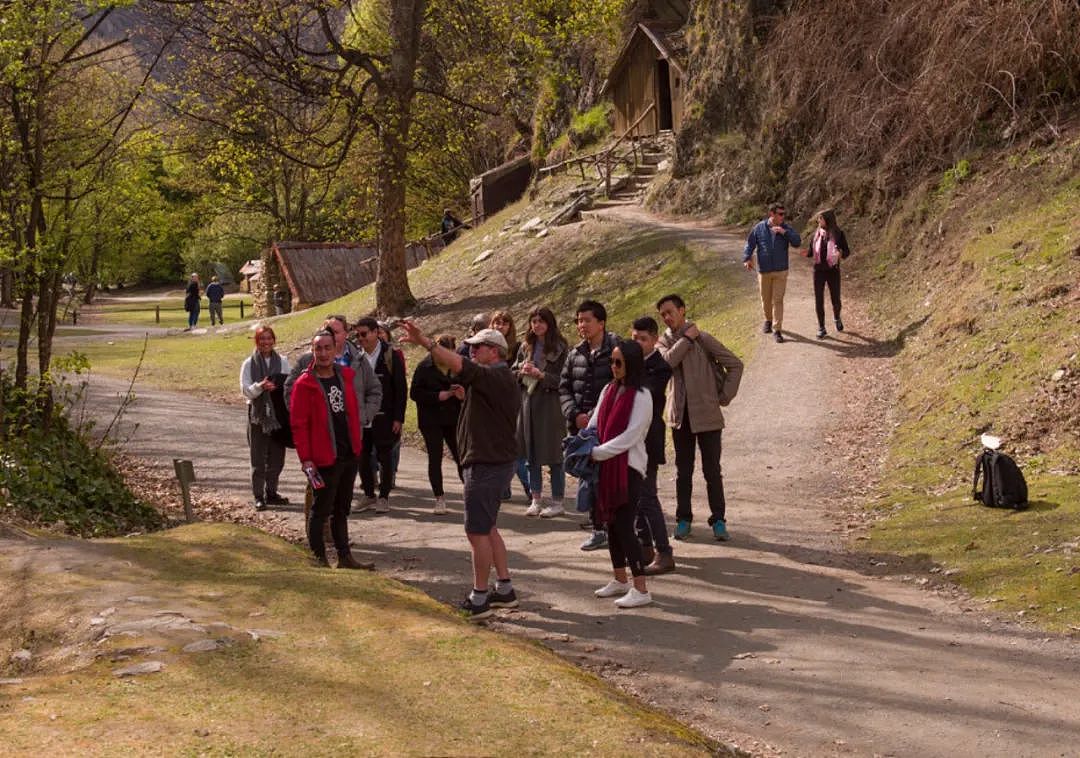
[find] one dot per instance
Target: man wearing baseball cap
(487, 444)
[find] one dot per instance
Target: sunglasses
(362, 335)
(617, 362)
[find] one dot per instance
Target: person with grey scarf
(262, 374)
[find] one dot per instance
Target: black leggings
(332, 502)
(434, 437)
(623, 544)
(830, 277)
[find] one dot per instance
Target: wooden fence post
(241, 308)
(157, 314)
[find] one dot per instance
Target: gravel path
(776, 642)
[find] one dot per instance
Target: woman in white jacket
(622, 417)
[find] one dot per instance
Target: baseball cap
(488, 337)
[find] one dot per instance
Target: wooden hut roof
(668, 40)
(251, 268)
(320, 272)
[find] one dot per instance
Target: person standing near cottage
(770, 239)
(693, 410)
(450, 226)
(192, 302)
(325, 417)
(486, 441)
(215, 293)
(260, 376)
(827, 248)
(539, 365)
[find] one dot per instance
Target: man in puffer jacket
(324, 414)
(770, 239)
(586, 372)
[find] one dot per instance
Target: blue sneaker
(682, 529)
(719, 530)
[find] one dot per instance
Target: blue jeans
(531, 475)
(193, 317)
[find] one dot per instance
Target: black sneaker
(839, 325)
(476, 612)
(821, 333)
(509, 600)
(767, 327)
(260, 505)
(275, 499)
(779, 337)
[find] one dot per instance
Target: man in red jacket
(325, 416)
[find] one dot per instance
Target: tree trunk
(26, 324)
(392, 293)
(95, 264)
(7, 288)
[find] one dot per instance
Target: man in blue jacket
(770, 238)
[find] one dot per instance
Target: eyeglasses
(363, 335)
(617, 362)
(779, 213)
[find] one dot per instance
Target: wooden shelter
(648, 80)
(249, 274)
(495, 189)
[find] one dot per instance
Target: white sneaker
(440, 505)
(534, 509)
(382, 505)
(553, 510)
(635, 598)
(613, 588)
(363, 503)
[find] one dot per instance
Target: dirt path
(774, 642)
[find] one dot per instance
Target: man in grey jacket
(705, 375)
(770, 238)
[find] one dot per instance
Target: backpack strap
(975, 478)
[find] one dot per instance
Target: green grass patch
(365, 666)
(170, 311)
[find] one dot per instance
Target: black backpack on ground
(1003, 484)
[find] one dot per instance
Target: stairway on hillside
(653, 152)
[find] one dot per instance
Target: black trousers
(651, 529)
(434, 437)
(332, 501)
(379, 437)
(623, 546)
(710, 444)
(829, 277)
(267, 460)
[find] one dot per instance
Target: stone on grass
(532, 223)
(10, 681)
(1058, 375)
(543, 232)
(204, 646)
(146, 667)
(21, 656)
(484, 256)
(270, 634)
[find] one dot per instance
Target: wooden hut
(249, 274)
(495, 189)
(650, 71)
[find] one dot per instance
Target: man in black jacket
(651, 529)
(587, 371)
(385, 429)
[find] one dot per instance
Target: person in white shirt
(261, 375)
(622, 418)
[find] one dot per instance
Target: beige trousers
(773, 284)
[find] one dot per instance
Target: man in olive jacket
(697, 360)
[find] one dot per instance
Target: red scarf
(611, 421)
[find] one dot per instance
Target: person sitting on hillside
(215, 293)
(450, 226)
(827, 247)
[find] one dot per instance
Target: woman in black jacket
(438, 402)
(827, 247)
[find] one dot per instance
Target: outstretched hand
(413, 333)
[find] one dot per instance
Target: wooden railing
(605, 161)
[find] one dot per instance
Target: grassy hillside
(300, 661)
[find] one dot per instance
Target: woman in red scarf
(622, 418)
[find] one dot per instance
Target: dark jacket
(391, 372)
(310, 418)
(488, 420)
(583, 377)
(772, 249)
(841, 245)
(191, 296)
(427, 382)
(657, 374)
(215, 293)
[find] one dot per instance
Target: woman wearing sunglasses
(622, 417)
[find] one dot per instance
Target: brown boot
(663, 563)
(647, 554)
(346, 561)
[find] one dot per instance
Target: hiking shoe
(663, 563)
(839, 325)
(719, 531)
(275, 499)
(553, 510)
(382, 505)
(476, 612)
(346, 561)
(682, 530)
(363, 503)
(821, 333)
(509, 600)
(613, 588)
(260, 504)
(440, 506)
(635, 598)
(595, 541)
(534, 509)
(767, 327)
(779, 337)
